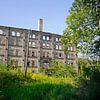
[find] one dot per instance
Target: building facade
(32, 48)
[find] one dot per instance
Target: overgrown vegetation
(59, 69)
(85, 86)
(14, 86)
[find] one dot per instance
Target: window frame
(48, 38)
(60, 47)
(1, 32)
(33, 36)
(13, 33)
(57, 47)
(18, 34)
(33, 44)
(57, 39)
(44, 37)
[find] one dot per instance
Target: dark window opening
(60, 55)
(33, 53)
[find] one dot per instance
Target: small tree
(59, 69)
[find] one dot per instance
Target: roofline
(28, 29)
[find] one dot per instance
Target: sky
(25, 14)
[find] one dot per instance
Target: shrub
(58, 69)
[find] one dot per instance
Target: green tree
(82, 27)
(59, 69)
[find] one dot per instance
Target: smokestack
(40, 24)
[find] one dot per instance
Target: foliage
(82, 27)
(14, 86)
(58, 69)
(89, 80)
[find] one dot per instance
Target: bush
(58, 69)
(90, 83)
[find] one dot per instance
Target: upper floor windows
(57, 39)
(44, 44)
(32, 44)
(29, 43)
(57, 47)
(1, 31)
(68, 56)
(32, 36)
(44, 37)
(70, 48)
(48, 37)
(32, 53)
(13, 33)
(17, 34)
(60, 47)
(48, 45)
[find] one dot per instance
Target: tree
(82, 27)
(59, 69)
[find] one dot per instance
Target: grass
(14, 86)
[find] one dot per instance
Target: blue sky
(25, 14)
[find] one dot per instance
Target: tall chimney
(40, 24)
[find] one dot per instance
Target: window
(47, 45)
(43, 44)
(30, 35)
(33, 36)
(71, 48)
(29, 43)
(60, 47)
(68, 48)
(56, 46)
(43, 37)
(68, 56)
(33, 44)
(17, 34)
(28, 63)
(33, 53)
(68, 63)
(48, 38)
(13, 33)
(57, 39)
(1, 32)
(71, 63)
(60, 54)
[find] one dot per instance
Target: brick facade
(35, 47)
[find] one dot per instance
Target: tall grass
(14, 86)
